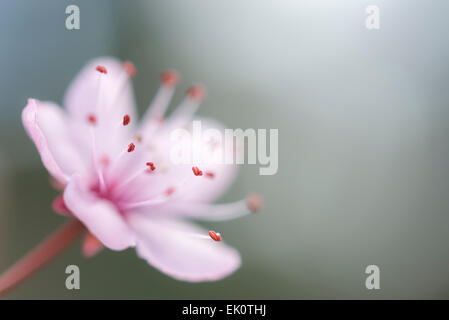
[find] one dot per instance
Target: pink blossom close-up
(116, 177)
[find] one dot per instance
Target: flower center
(118, 179)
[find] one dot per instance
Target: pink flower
(118, 180)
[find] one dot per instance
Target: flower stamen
(215, 235)
(170, 191)
(187, 108)
(196, 171)
(131, 147)
(102, 72)
(219, 212)
(130, 69)
(126, 119)
(254, 202)
(105, 161)
(97, 168)
(126, 182)
(101, 69)
(157, 108)
(196, 92)
(169, 78)
(92, 119)
(210, 174)
(151, 166)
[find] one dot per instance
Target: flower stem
(40, 255)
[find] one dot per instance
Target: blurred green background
(363, 119)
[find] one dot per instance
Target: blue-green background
(363, 119)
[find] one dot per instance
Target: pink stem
(40, 255)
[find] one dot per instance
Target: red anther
(92, 119)
(196, 92)
(101, 69)
(210, 174)
(196, 171)
(170, 191)
(130, 69)
(254, 202)
(215, 235)
(126, 119)
(131, 147)
(169, 78)
(151, 166)
(105, 161)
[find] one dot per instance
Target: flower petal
(116, 92)
(202, 211)
(46, 125)
(171, 172)
(59, 206)
(173, 247)
(99, 216)
(205, 189)
(107, 96)
(91, 245)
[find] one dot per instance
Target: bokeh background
(363, 119)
